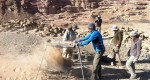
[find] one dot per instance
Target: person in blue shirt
(96, 38)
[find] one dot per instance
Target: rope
(41, 63)
(81, 63)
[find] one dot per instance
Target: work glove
(75, 43)
(77, 40)
(135, 61)
(78, 43)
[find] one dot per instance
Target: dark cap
(91, 25)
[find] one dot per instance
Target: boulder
(55, 30)
(54, 35)
(59, 34)
(46, 31)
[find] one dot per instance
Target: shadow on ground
(108, 73)
(143, 61)
(78, 73)
(145, 75)
(113, 74)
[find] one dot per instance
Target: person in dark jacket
(133, 53)
(98, 23)
(95, 37)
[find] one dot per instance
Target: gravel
(11, 42)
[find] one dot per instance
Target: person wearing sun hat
(116, 44)
(133, 53)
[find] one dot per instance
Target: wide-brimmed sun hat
(133, 33)
(114, 28)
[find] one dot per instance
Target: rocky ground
(21, 55)
(25, 37)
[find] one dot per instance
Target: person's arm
(65, 36)
(138, 49)
(85, 38)
(108, 37)
(91, 37)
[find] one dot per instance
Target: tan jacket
(117, 38)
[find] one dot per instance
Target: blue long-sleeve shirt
(96, 39)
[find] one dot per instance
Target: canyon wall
(110, 10)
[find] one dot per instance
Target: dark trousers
(96, 73)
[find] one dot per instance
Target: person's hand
(135, 61)
(73, 43)
(76, 43)
(77, 40)
(117, 45)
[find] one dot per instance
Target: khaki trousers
(130, 65)
(96, 73)
(98, 29)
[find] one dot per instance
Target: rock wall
(26, 8)
(124, 10)
(44, 6)
(110, 10)
(56, 6)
